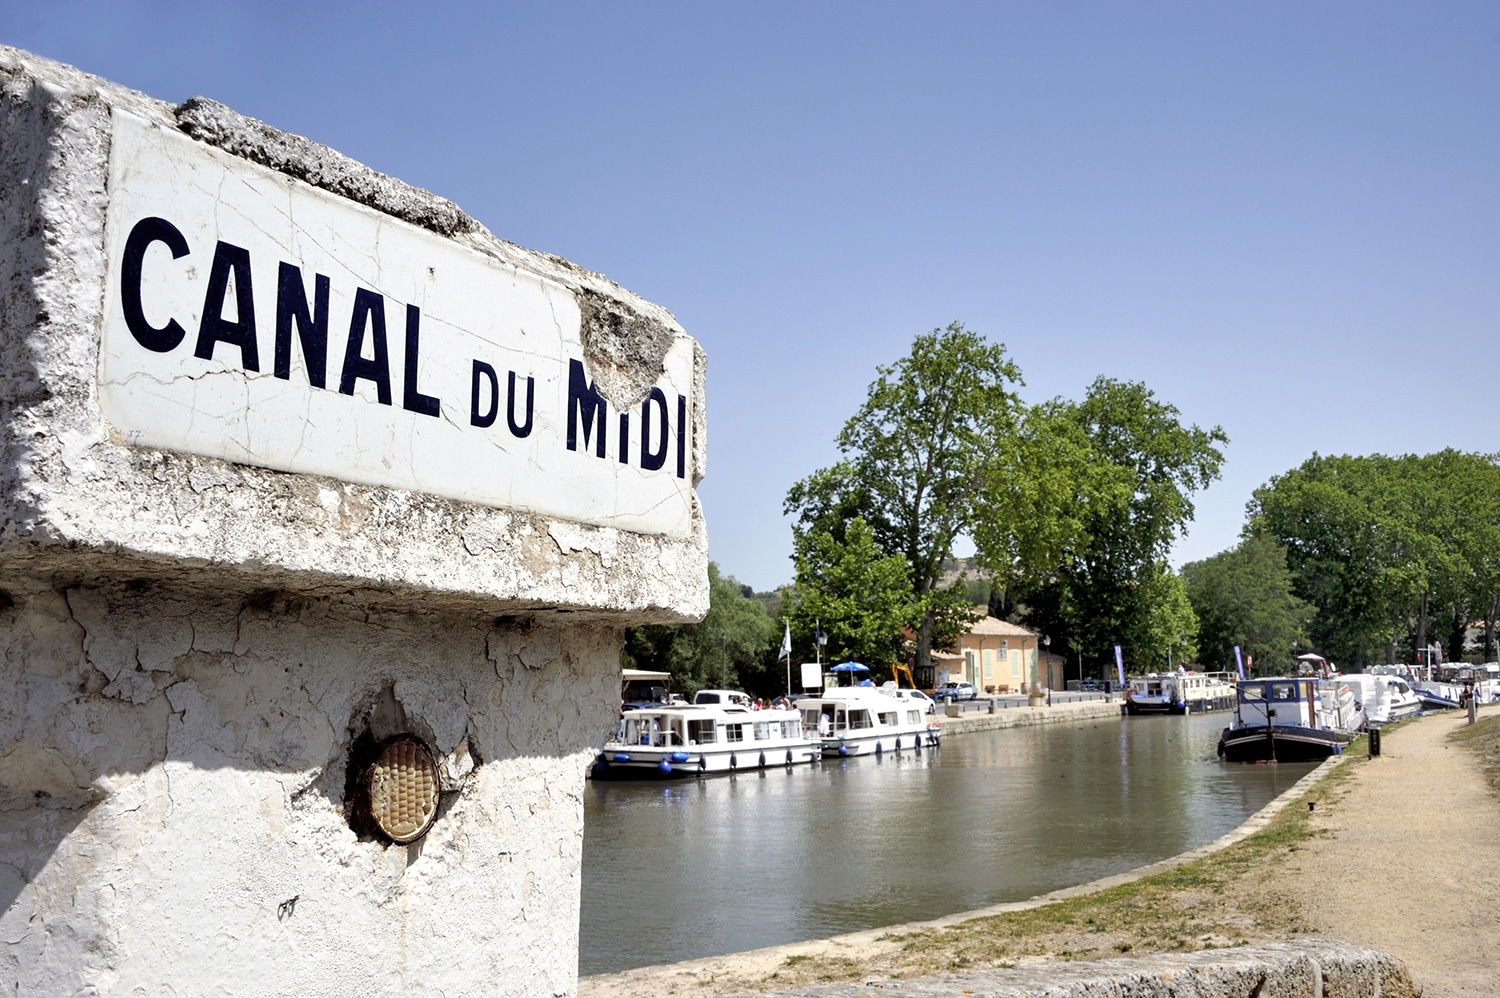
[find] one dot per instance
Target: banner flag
(786, 643)
(1120, 666)
(1239, 661)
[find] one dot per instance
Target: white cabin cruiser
(701, 740)
(1180, 692)
(862, 720)
(1385, 699)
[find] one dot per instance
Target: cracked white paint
(472, 308)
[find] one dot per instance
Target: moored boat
(1155, 693)
(861, 720)
(1384, 699)
(702, 740)
(1179, 693)
(1300, 719)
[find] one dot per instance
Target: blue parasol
(851, 667)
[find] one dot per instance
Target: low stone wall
(1015, 717)
(1321, 968)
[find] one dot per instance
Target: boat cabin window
(914, 717)
(890, 718)
(1283, 691)
(1252, 692)
(763, 731)
(734, 732)
(860, 719)
(701, 732)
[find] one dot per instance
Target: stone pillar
(297, 461)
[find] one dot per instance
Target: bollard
(992, 705)
(1473, 708)
(1373, 735)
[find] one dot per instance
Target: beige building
(996, 656)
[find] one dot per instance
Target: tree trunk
(1419, 640)
(1489, 628)
(924, 641)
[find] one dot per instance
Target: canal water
(684, 869)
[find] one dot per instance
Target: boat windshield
(1257, 692)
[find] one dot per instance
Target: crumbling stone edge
(1313, 968)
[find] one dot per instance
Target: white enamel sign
(252, 317)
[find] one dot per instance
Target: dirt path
(1402, 870)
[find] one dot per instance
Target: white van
(724, 698)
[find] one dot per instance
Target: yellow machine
(925, 679)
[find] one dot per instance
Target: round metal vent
(402, 789)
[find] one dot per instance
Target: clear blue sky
(1283, 217)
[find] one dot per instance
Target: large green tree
(1121, 474)
(921, 461)
(1243, 597)
(1391, 552)
(734, 644)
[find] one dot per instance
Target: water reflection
(681, 870)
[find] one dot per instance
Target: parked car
(957, 691)
(917, 696)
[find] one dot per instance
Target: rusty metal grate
(402, 789)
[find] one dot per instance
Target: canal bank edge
(764, 961)
(1017, 717)
(1315, 967)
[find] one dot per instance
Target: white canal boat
(863, 720)
(1179, 693)
(1385, 699)
(702, 740)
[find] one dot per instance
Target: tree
(1243, 597)
(735, 643)
(860, 596)
(921, 458)
(1121, 475)
(1388, 550)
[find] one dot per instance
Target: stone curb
(1321, 968)
(1016, 717)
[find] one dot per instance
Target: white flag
(786, 643)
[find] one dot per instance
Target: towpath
(1405, 866)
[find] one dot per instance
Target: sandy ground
(1399, 870)
(1404, 869)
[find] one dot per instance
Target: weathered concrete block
(297, 458)
(230, 351)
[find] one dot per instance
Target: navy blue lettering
(485, 371)
(148, 231)
(584, 399)
(521, 429)
(312, 326)
(369, 310)
(413, 400)
(229, 260)
(653, 460)
(682, 432)
(624, 438)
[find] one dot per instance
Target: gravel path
(1403, 869)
